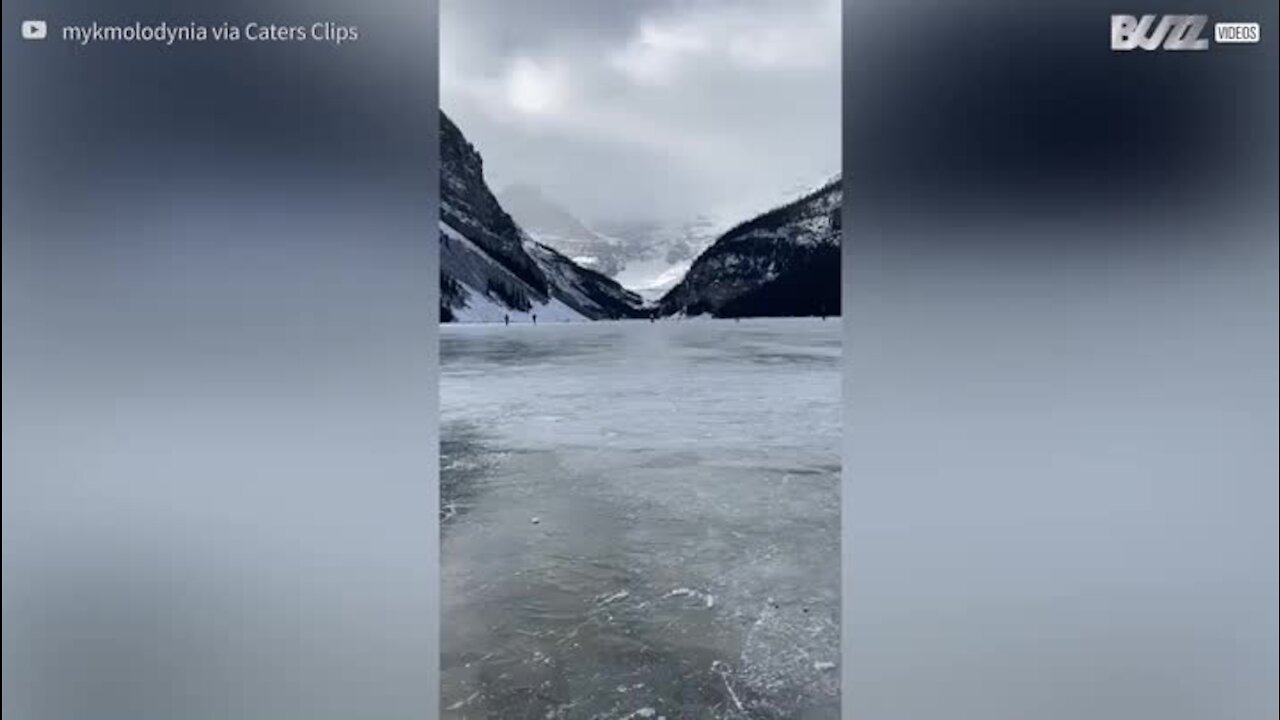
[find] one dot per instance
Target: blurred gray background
(1060, 337)
(219, 346)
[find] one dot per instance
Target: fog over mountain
(648, 111)
(629, 138)
(493, 271)
(556, 227)
(646, 256)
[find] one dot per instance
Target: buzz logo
(1175, 32)
(1168, 32)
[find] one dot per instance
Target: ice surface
(686, 475)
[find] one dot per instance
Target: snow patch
(615, 597)
(481, 308)
(704, 598)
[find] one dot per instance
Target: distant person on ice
(506, 319)
(535, 318)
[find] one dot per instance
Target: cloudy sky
(647, 109)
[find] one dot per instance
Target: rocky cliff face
(490, 268)
(556, 227)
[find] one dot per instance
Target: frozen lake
(641, 520)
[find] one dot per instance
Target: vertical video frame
(640, 421)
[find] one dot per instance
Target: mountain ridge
(491, 269)
(782, 262)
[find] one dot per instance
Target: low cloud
(648, 110)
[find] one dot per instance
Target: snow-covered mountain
(658, 254)
(553, 225)
(785, 262)
(646, 256)
(491, 268)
